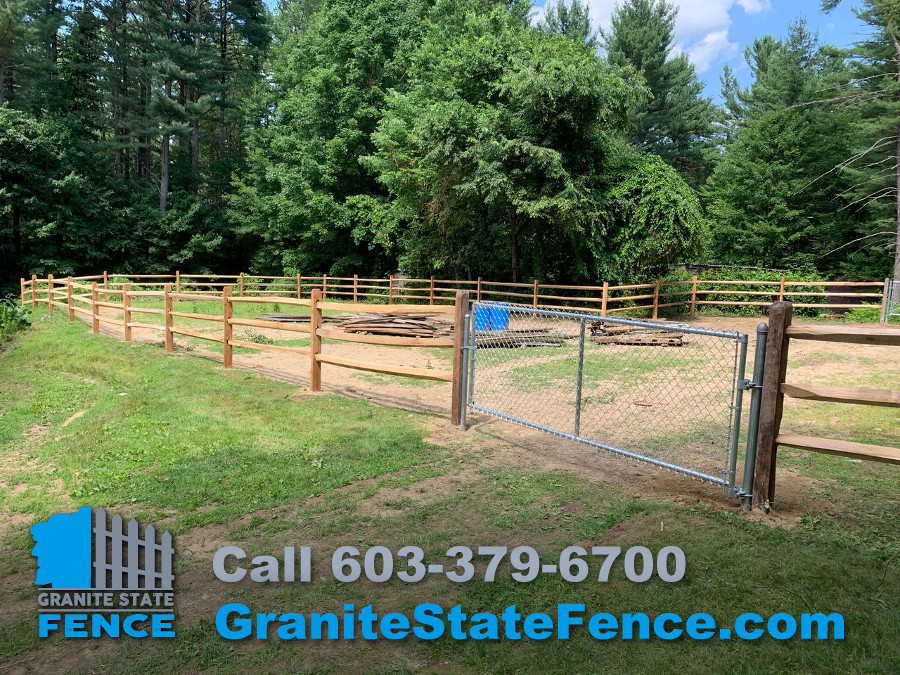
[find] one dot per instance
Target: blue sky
(716, 32)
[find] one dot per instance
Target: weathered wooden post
(167, 312)
(105, 286)
(241, 285)
(431, 292)
(391, 290)
(478, 290)
(324, 286)
(604, 299)
(227, 312)
(50, 296)
(771, 404)
(355, 287)
(95, 319)
(459, 320)
(656, 299)
(694, 296)
(34, 291)
(299, 287)
(315, 341)
(534, 297)
(886, 300)
(70, 301)
(126, 311)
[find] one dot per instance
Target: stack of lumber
(604, 333)
(529, 337)
(403, 325)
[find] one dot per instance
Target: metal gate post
(464, 385)
(473, 347)
(578, 381)
(759, 364)
(740, 385)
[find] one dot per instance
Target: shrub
(13, 317)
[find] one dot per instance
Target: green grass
(178, 441)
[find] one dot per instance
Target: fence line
(604, 299)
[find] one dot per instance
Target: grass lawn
(228, 457)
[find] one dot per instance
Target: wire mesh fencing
(658, 392)
(892, 302)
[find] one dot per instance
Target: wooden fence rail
(691, 294)
(775, 388)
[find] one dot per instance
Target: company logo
(102, 579)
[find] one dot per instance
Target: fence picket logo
(102, 578)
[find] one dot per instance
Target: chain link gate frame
(521, 361)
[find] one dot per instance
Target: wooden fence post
(34, 291)
(781, 290)
(355, 287)
(771, 405)
(22, 286)
(886, 300)
(105, 286)
(324, 286)
(478, 291)
(656, 299)
(431, 292)
(534, 297)
(299, 287)
(241, 285)
(177, 282)
(227, 312)
(605, 299)
(50, 292)
(167, 294)
(459, 320)
(391, 290)
(69, 299)
(126, 311)
(95, 296)
(315, 341)
(694, 296)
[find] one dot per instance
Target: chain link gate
(663, 393)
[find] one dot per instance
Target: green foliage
(657, 221)
(778, 198)
(13, 317)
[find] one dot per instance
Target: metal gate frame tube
(735, 423)
(759, 365)
(464, 373)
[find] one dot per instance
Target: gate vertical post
(464, 385)
(578, 381)
(459, 317)
(759, 364)
(771, 404)
(886, 301)
(315, 340)
(473, 348)
(736, 414)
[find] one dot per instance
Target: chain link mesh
(655, 391)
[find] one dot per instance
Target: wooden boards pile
(403, 325)
(603, 333)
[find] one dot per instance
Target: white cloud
(702, 27)
(711, 50)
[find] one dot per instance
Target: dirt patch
(36, 431)
(72, 418)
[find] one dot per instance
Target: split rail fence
(79, 298)
(689, 295)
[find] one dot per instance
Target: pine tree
(676, 122)
(571, 19)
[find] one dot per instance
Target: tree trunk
(17, 236)
(897, 240)
(514, 244)
(164, 162)
(2, 82)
